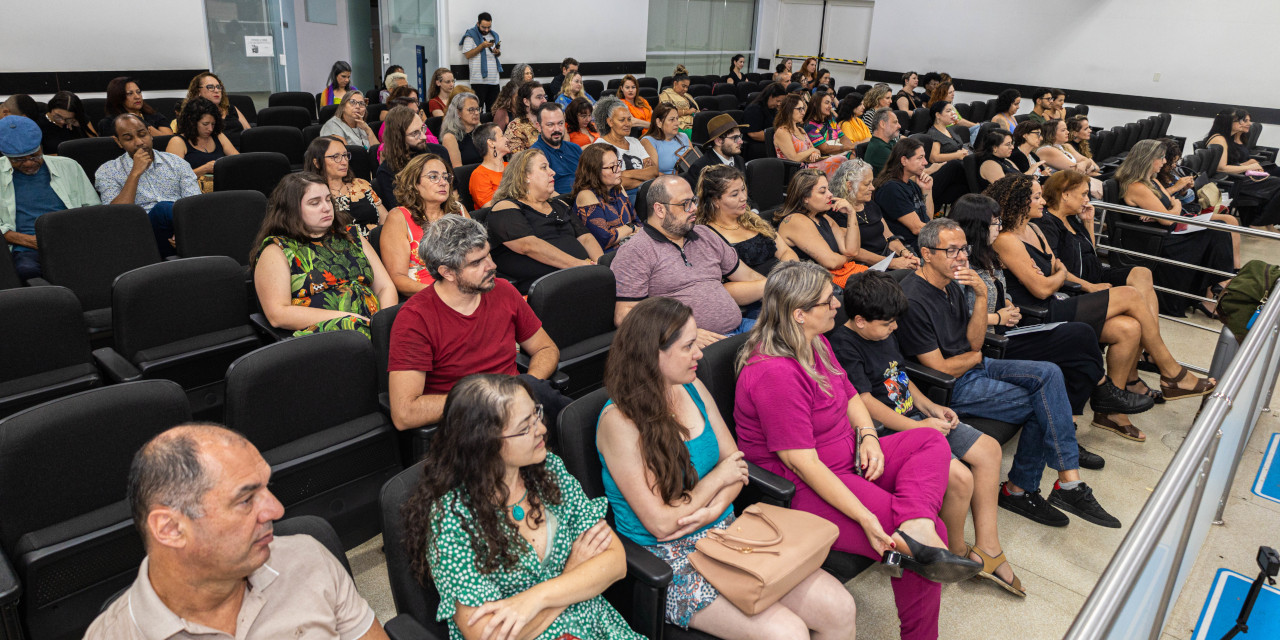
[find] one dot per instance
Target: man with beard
(464, 323)
(723, 146)
(200, 499)
(675, 258)
(151, 179)
(561, 154)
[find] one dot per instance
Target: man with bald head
(675, 258)
(213, 569)
(151, 179)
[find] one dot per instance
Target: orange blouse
(640, 113)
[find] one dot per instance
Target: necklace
(517, 511)
(726, 227)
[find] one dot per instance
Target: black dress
(824, 230)
(1089, 308)
(1005, 165)
(467, 149)
(1258, 200)
(1207, 248)
(1072, 247)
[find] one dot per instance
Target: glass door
(405, 25)
(246, 46)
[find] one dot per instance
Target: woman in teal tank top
(672, 470)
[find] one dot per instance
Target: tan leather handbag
(764, 554)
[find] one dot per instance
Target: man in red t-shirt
(466, 322)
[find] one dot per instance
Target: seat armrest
(765, 486)
(935, 384)
(10, 587)
(264, 327)
(994, 346)
(641, 597)
(38, 282)
(1032, 312)
(1142, 228)
(559, 380)
(1071, 288)
(642, 565)
(117, 367)
(405, 627)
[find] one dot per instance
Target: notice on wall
(259, 46)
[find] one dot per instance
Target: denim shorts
(961, 439)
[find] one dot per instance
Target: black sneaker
(1108, 398)
(1090, 460)
(1081, 502)
(1031, 505)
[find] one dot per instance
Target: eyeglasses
(213, 87)
(528, 425)
(416, 133)
(359, 104)
(952, 251)
(736, 138)
(60, 121)
(436, 176)
(472, 110)
(340, 157)
(997, 224)
(35, 157)
(617, 166)
(833, 301)
(688, 205)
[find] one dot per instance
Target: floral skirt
(689, 592)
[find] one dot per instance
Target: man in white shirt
(482, 47)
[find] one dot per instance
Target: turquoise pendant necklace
(517, 511)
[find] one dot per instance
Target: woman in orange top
(641, 112)
(486, 177)
(577, 119)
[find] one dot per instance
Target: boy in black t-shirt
(868, 352)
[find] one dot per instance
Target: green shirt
(877, 154)
(66, 178)
(459, 580)
(1036, 118)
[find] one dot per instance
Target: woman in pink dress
(792, 142)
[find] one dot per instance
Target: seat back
(1101, 145)
(175, 300)
(90, 153)
(380, 327)
(266, 138)
(746, 88)
(295, 117)
(41, 329)
(766, 182)
(95, 109)
(1133, 133)
(646, 82)
(244, 104)
(309, 134)
(67, 526)
(359, 162)
(327, 112)
(699, 90)
(727, 102)
(8, 273)
(970, 165)
(642, 199)
(700, 121)
(919, 120)
(433, 124)
(724, 89)
(416, 600)
(904, 119)
(223, 223)
(964, 109)
(576, 441)
(576, 309)
(294, 99)
(860, 149)
(718, 373)
(462, 183)
(593, 87)
(978, 111)
(260, 171)
(85, 249)
(317, 528)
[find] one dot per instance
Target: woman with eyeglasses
(209, 87)
(614, 120)
(599, 199)
(348, 123)
(124, 95)
(328, 157)
(312, 269)
(455, 131)
(791, 141)
(503, 529)
(1026, 139)
(200, 139)
(424, 190)
(824, 133)
(530, 233)
(853, 183)
(64, 120)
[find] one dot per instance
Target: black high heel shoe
(932, 563)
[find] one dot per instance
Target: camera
(1268, 561)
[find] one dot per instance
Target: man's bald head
(170, 470)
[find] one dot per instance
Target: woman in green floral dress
(505, 532)
(312, 270)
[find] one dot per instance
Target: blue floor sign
(1268, 483)
(1223, 606)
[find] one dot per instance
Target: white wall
(319, 46)
(79, 35)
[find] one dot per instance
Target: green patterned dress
(331, 273)
(454, 569)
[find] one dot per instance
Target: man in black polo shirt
(939, 332)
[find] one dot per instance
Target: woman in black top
(994, 149)
(1179, 182)
(460, 120)
(1026, 139)
(806, 225)
(1259, 196)
(735, 69)
(124, 95)
(944, 146)
(65, 120)
(762, 111)
(852, 183)
(723, 208)
(530, 234)
(905, 99)
(200, 140)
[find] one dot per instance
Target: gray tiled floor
(1058, 567)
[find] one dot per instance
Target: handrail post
(1257, 397)
(1202, 479)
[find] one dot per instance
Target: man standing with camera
(482, 48)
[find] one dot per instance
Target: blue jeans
(1027, 392)
(747, 324)
(161, 216)
(27, 264)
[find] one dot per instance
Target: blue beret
(19, 136)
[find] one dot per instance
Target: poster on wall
(259, 46)
(420, 55)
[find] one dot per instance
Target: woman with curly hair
(505, 532)
(672, 471)
(200, 140)
(723, 207)
(425, 193)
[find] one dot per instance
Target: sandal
(1126, 431)
(989, 567)
(1145, 363)
(1169, 386)
(1154, 394)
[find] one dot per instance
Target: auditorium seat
(462, 184)
(222, 223)
(44, 347)
(67, 540)
(295, 117)
(167, 107)
(646, 82)
(767, 182)
(278, 139)
(310, 133)
(244, 104)
(593, 87)
(413, 600)
(310, 405)
(85, 249)
(700, 121)
(920, 121)
(294, 99)
(260, 171)
(91, 153)
(327, 112)
(8, 273)
(359, 162)
(575, 306)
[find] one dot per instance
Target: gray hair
(929, 235)
(167, 471)
(452, 122)
(848, 177)
(517, 72)
(659, 191)
(604, 110)
(880, 115)
(447, 242)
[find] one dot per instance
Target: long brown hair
(798, 191)
(659, 114)
(640, 102)
(284, 213)
(713, 182)
(590, 168)
(465, 459)
(407, 194)
(783, 119)
(636, 385)
(893, 169)
(193, 90)
(433, 89)
(395, 151)
(939, 92)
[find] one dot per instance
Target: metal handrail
(1099, 613)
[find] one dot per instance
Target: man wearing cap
(151, 179)
(31, 185)
(723, 146)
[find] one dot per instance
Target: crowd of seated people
(697, 264)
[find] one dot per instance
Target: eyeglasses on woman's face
(339, 158)
(436, 177)
(213, 87)
(617, 166)
(529, 423)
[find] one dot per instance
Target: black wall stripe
(1265, 115)
(550, 69)
(93, 81)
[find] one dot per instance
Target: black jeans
(487, 93)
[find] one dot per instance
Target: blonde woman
(877, 97)
(723, 207)
(572, 89)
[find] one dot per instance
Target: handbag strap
(748, 545)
